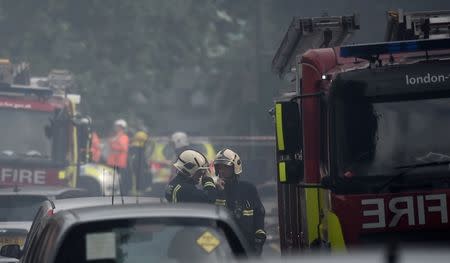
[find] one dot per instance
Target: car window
(133, 241)
(19, 208)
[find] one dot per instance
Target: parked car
(49, 208)
(137, 233)
(18, 207)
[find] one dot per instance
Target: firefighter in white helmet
(180, 142)
(192, 169)
(240, 197)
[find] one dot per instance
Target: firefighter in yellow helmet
(137, 163)
(139, 139)
(240, 197)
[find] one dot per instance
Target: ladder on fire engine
(309, 33)
(417, 25)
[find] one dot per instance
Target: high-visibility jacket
(118, 151)
(96, 150)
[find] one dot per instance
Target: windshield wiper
(409, 168)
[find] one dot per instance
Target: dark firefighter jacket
(137, 167)
(242, 199)
(182, 189)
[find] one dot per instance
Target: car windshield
(24, 134)
(19, 208)
(376, 136)
(147, 241)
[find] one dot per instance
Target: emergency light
(372, 50)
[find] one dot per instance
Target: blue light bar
(370, 50)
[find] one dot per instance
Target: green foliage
(127, 56)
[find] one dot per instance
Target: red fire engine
(362, 134)
(38, 144)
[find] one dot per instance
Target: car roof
(73, 203)
(38, 190)
(8, 260)
(102, 213)
(66, 220)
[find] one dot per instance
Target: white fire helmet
(180, 139)
(229, 158)
(122, 123)
(190, 161)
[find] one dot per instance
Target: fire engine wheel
(90, 185)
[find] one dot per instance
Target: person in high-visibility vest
(118, 154)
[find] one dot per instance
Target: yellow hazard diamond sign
(208, 242)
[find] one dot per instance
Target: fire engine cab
(39, 139)
(362, 133)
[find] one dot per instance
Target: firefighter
(118, 154)
(192, 169)
(240, 197)
(137, 164)
(180, 142)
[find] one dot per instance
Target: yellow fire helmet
(139, 139)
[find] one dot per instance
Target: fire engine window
(18, 139)
(356, 126)
(374, 136)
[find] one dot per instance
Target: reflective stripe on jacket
(182, 189)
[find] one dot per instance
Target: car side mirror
(11, 251)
